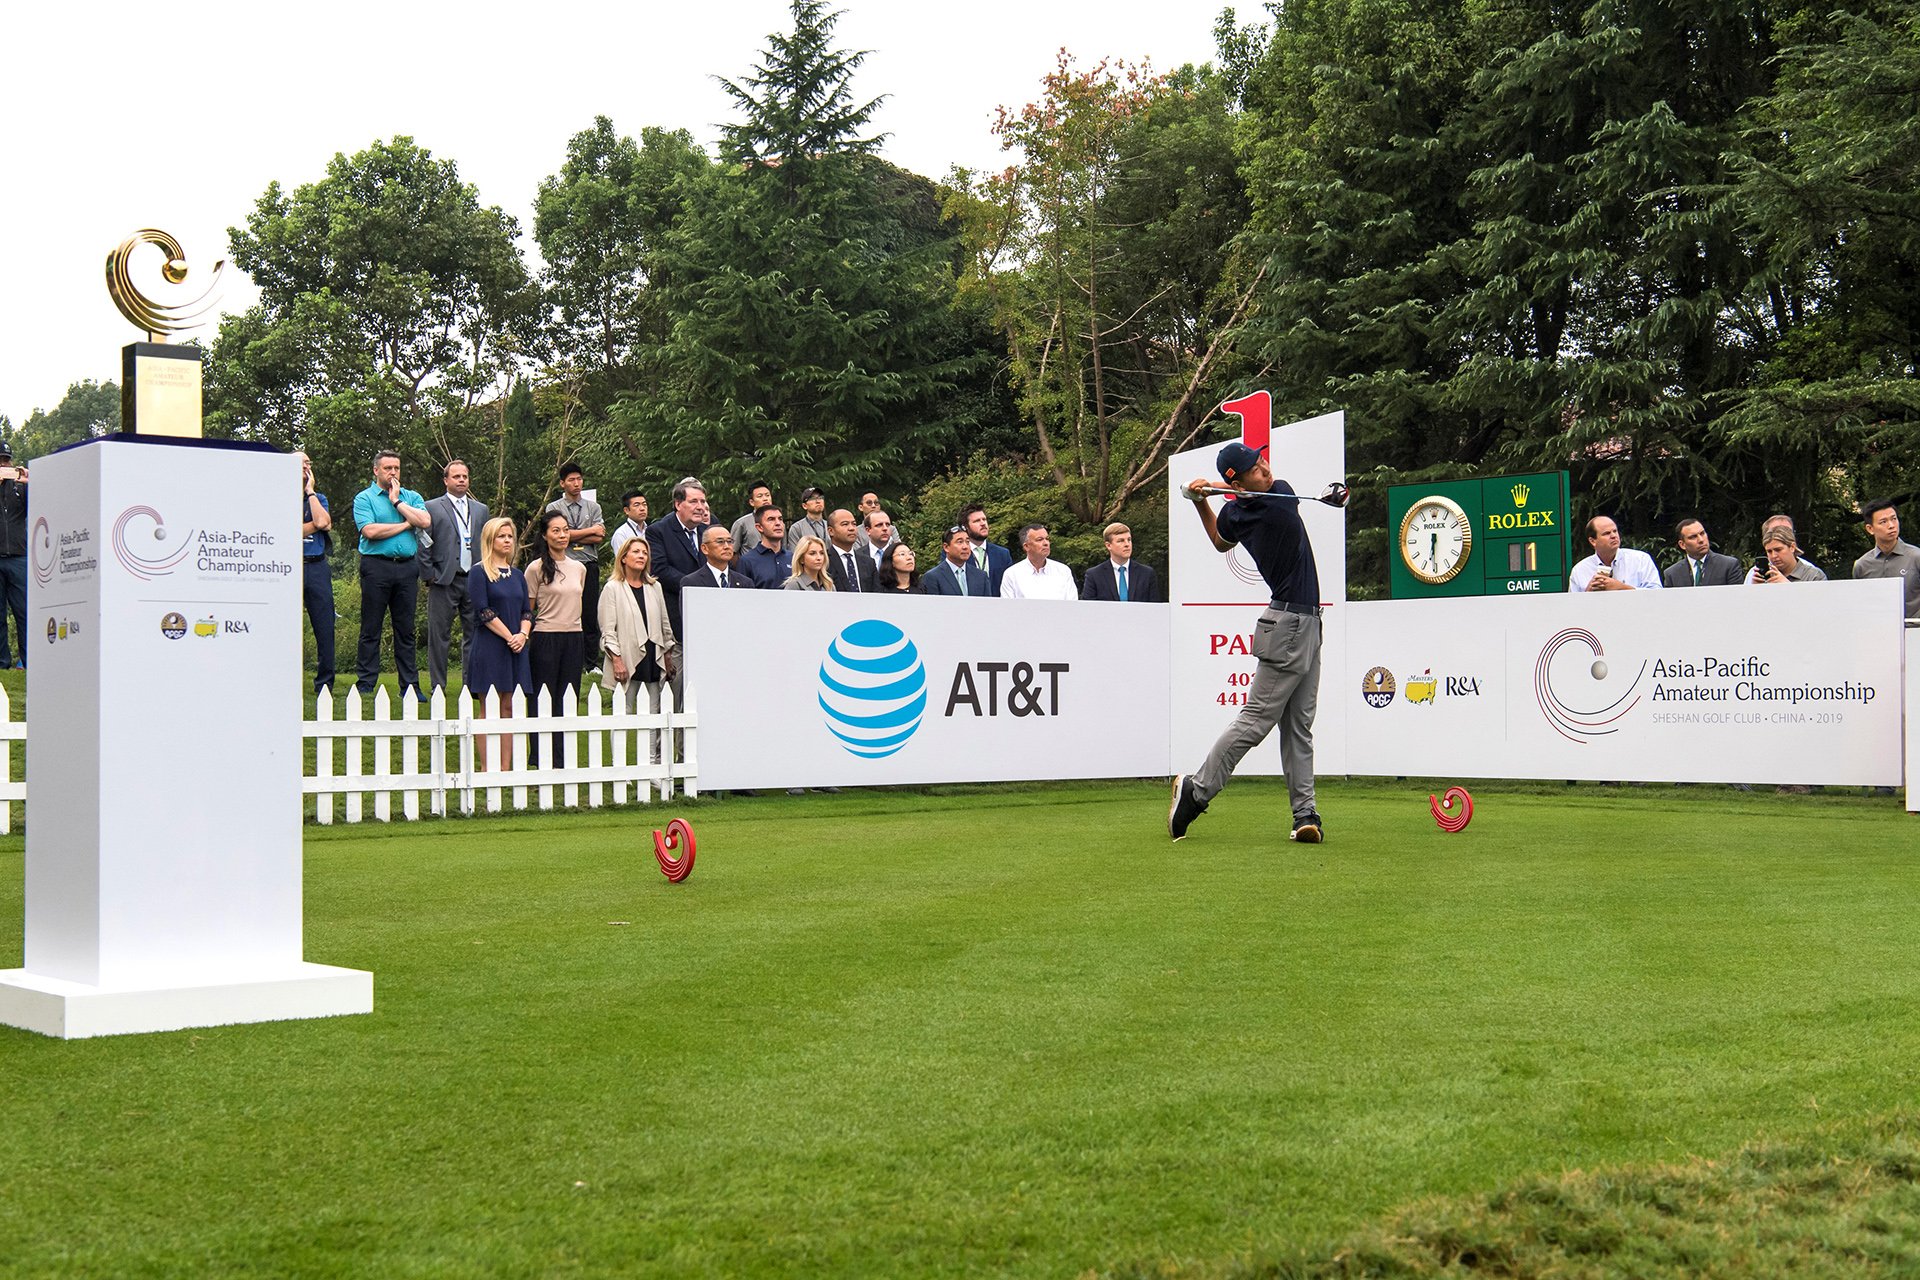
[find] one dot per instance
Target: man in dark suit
(675, 539)
(994, 560)
(455, 520)
(957, 574)
(1119, 576)
(1701, 566)
(716, 568)
(845, 557)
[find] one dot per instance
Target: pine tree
(807, 342)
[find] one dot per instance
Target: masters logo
(873, 688)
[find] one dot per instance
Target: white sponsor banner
(812, 689)
(1218, 596)
(1797, 684)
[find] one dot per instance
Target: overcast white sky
(124, 115)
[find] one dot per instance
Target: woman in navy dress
(497, 594)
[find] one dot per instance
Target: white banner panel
(1913, 720)
(809, 689)
(1217, 597)
(1797, 684)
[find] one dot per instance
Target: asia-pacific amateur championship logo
(136, 527)
(1578, 691)
(873, 688)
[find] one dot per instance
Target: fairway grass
(983, 1030)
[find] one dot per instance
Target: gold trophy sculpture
(159, 383)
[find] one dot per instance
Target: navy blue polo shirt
(765, 569)
(317, 542)
(1276, 538)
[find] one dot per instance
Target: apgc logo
(873, 688)
(128, 548)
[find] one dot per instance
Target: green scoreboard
(1492, 537)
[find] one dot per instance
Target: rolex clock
(1436, 538)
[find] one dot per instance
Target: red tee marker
(674, 868)
(1454, 812)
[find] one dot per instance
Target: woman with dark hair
(899, 573)
(557, 588)
(498, 667)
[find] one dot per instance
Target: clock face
(1435, 539)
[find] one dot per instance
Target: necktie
(1121, 575)
(723, 580)
(960, 572)
(1699, 573)
(466, 534)
(853, 573)
(980, 557)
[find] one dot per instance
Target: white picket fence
(427, 758)
(12, 791)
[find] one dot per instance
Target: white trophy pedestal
(75, 1010)
(163, 869)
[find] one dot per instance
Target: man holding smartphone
(13, 555)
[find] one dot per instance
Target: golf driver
(1334, 496)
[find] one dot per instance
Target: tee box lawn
(1011, 1030)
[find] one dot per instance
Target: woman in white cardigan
(640, 648)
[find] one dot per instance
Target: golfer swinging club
(1286, 639)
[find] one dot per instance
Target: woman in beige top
(809, 566)
(556, 587)
(638, 646)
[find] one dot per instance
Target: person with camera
(1782, 562)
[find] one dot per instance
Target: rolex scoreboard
(1491, 537)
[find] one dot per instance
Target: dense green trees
(807, 339)
(1667, 244)
(1105, 256)
(391, 304)
(88, 409)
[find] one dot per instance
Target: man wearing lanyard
(1286, 641)
(589, 531)
(317, 573)
(633, 504)
(457, 518)
(812, 520)
(387, 516)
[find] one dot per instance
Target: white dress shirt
(1635, 568)
(1051, 581)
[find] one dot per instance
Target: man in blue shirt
(387, 517)
(767, 564)
(317, 580)
(1286, 640)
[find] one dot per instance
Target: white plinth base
(74, 1010)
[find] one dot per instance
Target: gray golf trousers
(1285, 690)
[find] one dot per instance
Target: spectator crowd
(540, 607)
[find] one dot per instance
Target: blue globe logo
(873, 688)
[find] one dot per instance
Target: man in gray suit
(1701, 566)
(457, 518)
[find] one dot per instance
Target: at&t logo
(873, 688)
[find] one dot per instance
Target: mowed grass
(982, 1031)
